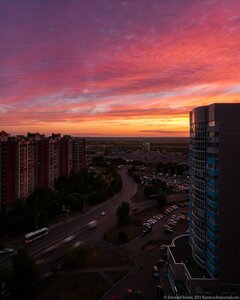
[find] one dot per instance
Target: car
(69, 239)
(160, 293)
(164, 257)
(146, 224)
(163, 247)
(6, 250)
(138, 295)
(170, 221)
(78, 244)
(153, 221)
(166, 226)
(160, 263)
(145, 231)
(155, 272)
(129, 294)
(170, 231)
(92, 224)
(103, 213)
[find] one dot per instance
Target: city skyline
(131, 68)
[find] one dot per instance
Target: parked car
(160, 263)
(155, 272)
(163, 247)
(146, 230)
(166, 226)
(170, 231)
(160, 293)
(138, 295)
(129, 294)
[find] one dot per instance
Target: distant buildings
(208, 262)
(146, 147)
(31, 161)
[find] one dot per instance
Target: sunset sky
(115, 68)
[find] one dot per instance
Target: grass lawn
(139, 196)
(132, 230)
(100, 258)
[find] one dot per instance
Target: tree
(150, 190)
(122, 237)
(161, 200)
(123, 213)
(24, 277)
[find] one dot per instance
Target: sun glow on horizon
(116, 69)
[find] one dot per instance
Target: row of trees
(74, 192)
(171, 168)
(23, 279)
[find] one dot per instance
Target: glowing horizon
(131, 68)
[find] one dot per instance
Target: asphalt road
(41, 249)
(50, 248)
(141, 277)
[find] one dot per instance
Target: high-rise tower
(213, 247)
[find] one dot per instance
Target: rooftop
(182, 253)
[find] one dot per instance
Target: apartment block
(7, 171)
(66, 155)
(78, 154)
(207, 262)
(31, 161)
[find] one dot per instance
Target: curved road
(78, 225)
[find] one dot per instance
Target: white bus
(29, 237)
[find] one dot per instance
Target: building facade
(214, 199)
(31, 161)
(78, 154)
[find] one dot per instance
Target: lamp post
(65, 209)
(36, 221)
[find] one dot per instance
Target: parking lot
(172, 224)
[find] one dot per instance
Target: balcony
(213, 226)
(212, 193)
(213, 172)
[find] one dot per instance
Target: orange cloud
(116, 69)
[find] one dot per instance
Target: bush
(123, 214)
(122, 237)
(161, 200)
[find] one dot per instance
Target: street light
(66, 209)
(36, 221)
